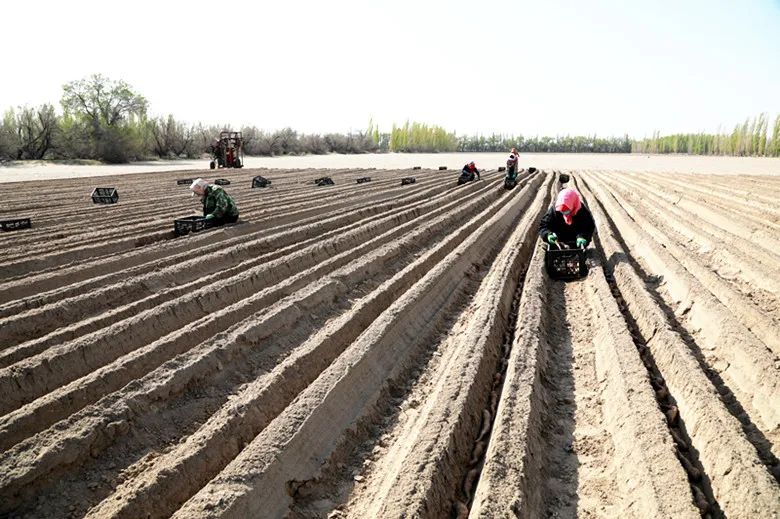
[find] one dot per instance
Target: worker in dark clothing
(568, 223)
(218, 207)
(471, 170)
(511, 166)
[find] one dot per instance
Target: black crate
(188, 224)
(563, 178)
(259, 181)
(501, 168)
(16, 224)
(408, 180)
(417, 167)
(442, 168)
(565, 263)
(185, 181)
(105, 195)
(222, 182)
(324, 181)
(363, 180)
(532, 170)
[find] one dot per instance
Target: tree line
(751, 138)
(107, 120)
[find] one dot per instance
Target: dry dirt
(379, 350)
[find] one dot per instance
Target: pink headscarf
(568, 200)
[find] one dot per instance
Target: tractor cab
(227, 151)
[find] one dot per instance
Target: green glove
(582, 242)
(209, 217)
(552, 238)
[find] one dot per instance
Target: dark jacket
(471, 172)
(582, 224)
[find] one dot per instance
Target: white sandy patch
(604, 161)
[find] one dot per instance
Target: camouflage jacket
(218, 203)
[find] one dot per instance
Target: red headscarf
(568, 200)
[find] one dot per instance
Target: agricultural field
(387, 350)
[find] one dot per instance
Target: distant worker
(218, 207)
(471, 170)
(568, 223)
(511, 166)
(216, 151)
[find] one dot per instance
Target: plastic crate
(417, 167)
(363, 180)
(532, 170)
(105, 195)
(184, 226)
(324, 181)
(501, 168)
(16, 224)
(408, 180)
(259, 181)
(222, 182)
(442, 168)
(185, 181)
(563, 178)
(565, 264)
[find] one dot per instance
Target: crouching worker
(218, 207)
(470, 170)
(568, 223)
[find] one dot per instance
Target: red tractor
(227, 151)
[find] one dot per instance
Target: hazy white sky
(521, 67)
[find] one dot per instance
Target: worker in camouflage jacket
(218, 207)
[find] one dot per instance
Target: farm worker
(511, 166)
(218, 207)
(568, 221)
(471, 170)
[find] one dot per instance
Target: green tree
(114, 112)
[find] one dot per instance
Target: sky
(550, 67)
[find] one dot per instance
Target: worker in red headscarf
(568, 222)
(471, 170)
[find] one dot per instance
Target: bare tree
(171, 138)
(35, 128)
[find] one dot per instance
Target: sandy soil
(622, 162)
(391, 350)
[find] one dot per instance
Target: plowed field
(379, 350)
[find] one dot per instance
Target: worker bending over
(568, 223)
(218, 207)
(471, 171)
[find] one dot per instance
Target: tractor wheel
(212, 165)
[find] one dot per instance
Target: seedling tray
(565, 264)
(222, 182)
(408, 180)
(16, 224)
(184, 181)
(363, 180)
(184, 226)
(105, 195)
(259, 181)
